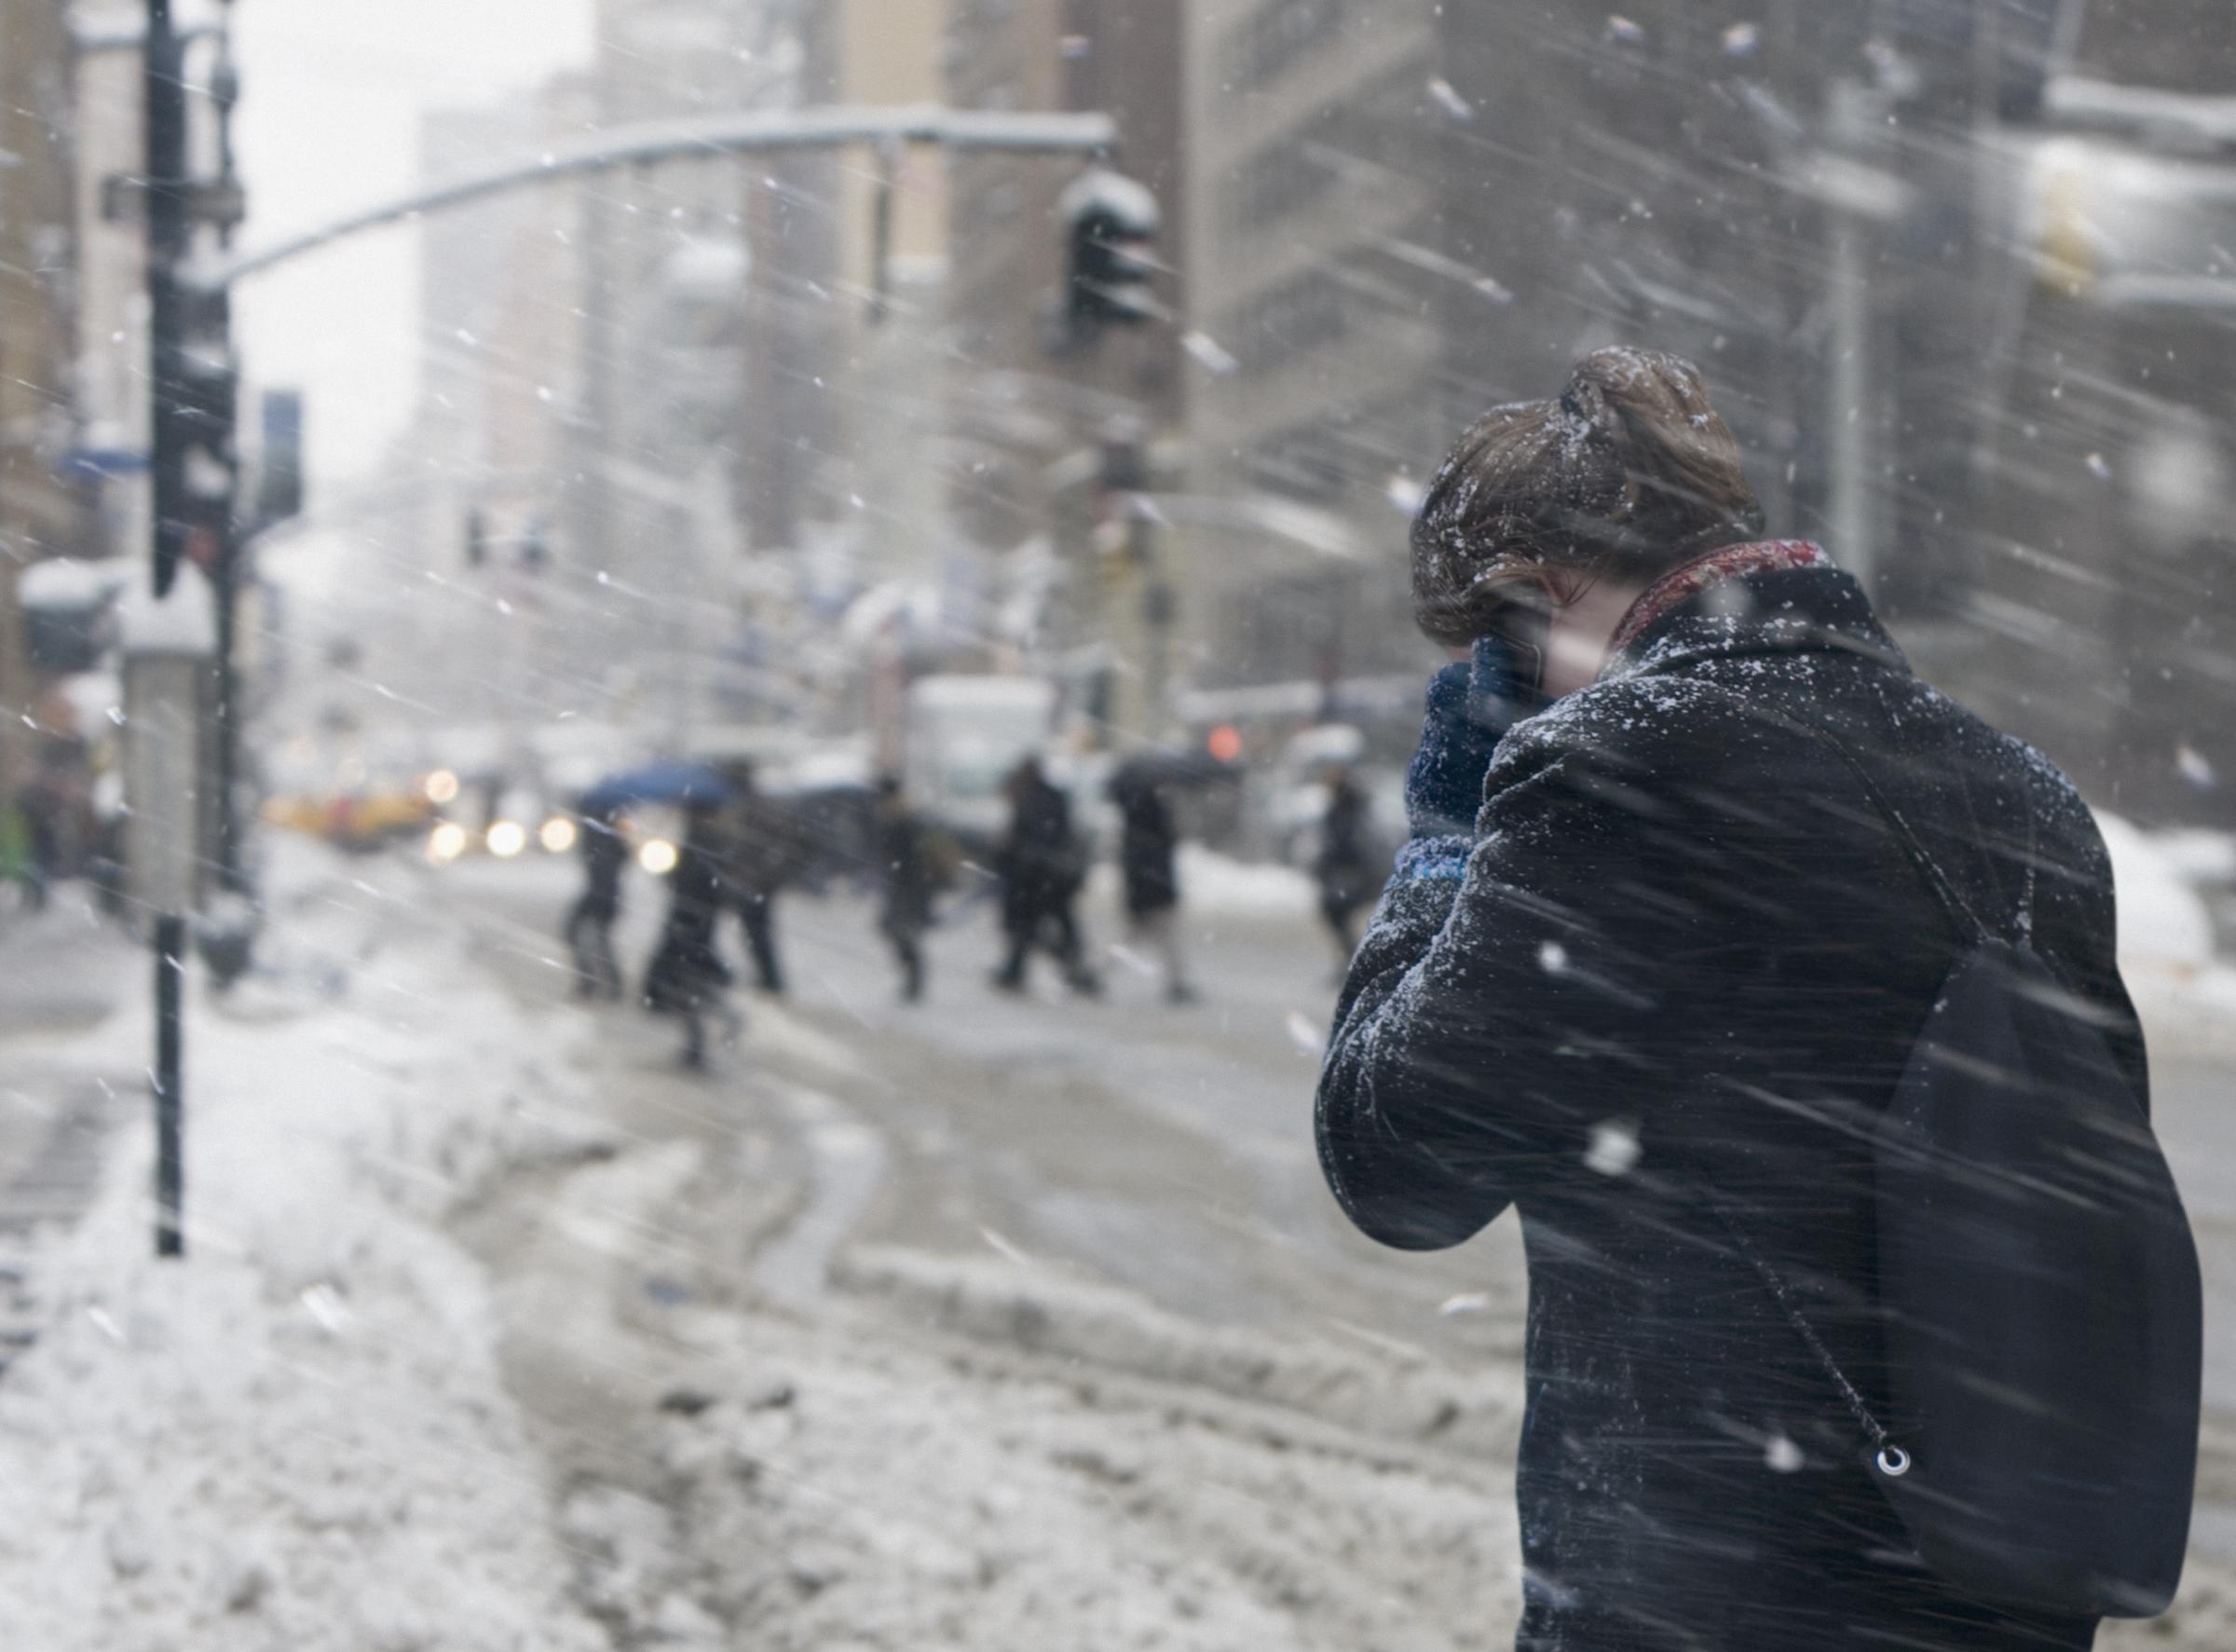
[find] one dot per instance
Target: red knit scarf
(1681, 585)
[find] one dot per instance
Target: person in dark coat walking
(1344, 865)
(591, 920)
(1043, 866)
(910, 876)
(764, 850)
(40, 807)
(1653, 952)
(688, 977)
(1149, 845)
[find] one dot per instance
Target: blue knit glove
(1470, 706)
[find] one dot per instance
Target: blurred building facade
(42, 510)
(2104, 617)
(112, 296)
(1402, 216)
(1377, 220)
(1045, 417)
(1311, 209)
(495, 457)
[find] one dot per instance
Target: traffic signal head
(199, 412)
(1110, 221)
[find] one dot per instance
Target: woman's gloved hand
(1471, 704)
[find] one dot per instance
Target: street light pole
(226, 552)
(169, 228)
(164, 104)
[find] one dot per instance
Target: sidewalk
(297, 1439)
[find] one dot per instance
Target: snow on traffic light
(1110, 221)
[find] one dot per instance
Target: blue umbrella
(680, 785)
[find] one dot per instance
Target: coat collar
(1727, 563)
(1777, 598)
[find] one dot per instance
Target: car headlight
(558, 834)
(658, 856)
(507, 838)
(446, 843)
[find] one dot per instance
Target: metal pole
(164, 93)
(170, 1086)
(752, 131)
(224, 566)
(880, 234)
(225, 709)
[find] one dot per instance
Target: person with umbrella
(589, 927)
(1148, 846)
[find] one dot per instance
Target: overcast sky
(332, 91)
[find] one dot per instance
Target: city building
(494, 456)
(1316, 347)
(2104, 601)
(112, 295)
(882, 375)
(42, 507)
(1957, 274)
(1035, 401)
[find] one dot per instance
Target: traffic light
(203, 427)
(1109, 223)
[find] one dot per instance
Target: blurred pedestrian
(39, 808)
(1344, 866)
(589, 921)
(1653, 970)
(765, 849)
(1042, 864)
(910, 876)
(688, 977)
(1149, 843)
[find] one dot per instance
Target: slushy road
(1169, 1149)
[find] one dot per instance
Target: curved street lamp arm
(720, 134)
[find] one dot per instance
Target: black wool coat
(1148, 844)
(1041, 861)
(1682, 958)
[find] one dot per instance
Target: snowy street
(581, 582)
(1012, 1325)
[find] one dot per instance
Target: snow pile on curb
(1215, 885)
(2161, 921)
(1402, 1397)
(1212, 882)
(297, 1437)
(2167, 954)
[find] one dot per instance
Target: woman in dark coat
(1149, 844)
(688, 977)
(1673, 960)
(909, 877)
(1043, 866)
(591, 920)
(1344, 866)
